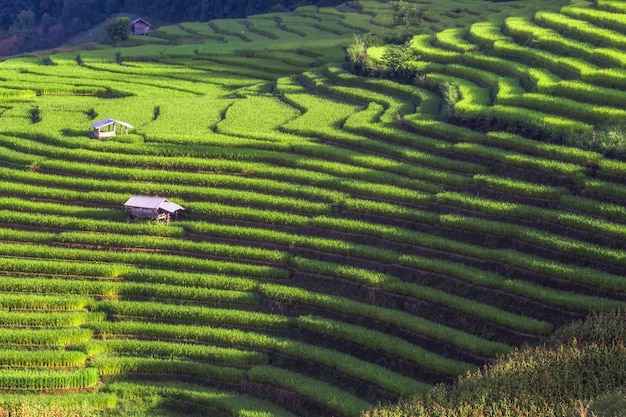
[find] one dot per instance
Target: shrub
(117, 29)
(451, 95)
(357, 59)
(610, 139)
(91, 113)
(35, 115)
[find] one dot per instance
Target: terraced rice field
(346, 241)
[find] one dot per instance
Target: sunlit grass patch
(256, 115)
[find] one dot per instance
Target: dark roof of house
(154, 203)
(107, 122)
(140, 20)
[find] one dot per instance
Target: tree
(407, 15)
(24, 25)
(398, 61)
(117, 29)
(79, 15)
(112, 6)
(51, 7)
(10, 9)
(357, 59)
(46, 22)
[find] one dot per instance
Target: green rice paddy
(346, 241)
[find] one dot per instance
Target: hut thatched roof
(153, 203)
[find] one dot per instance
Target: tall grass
(581, 369)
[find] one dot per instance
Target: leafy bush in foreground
(581, 370)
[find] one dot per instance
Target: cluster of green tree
(398, 62)
(36, 24)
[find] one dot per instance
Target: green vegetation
(347, 240)
(578, 373)
(117, 30)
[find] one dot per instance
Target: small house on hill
(156, 208)
(139, 27)
(109, 127)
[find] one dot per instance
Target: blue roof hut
(109, 127)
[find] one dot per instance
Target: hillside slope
(579, 372)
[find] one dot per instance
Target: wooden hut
(109, 127)
(156, 208)
(139, 26)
